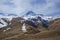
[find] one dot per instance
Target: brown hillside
(55, 25)
(15, 32)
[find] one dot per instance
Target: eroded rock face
(26, 26)
(29, 29)
(16, 22)
(55, 25)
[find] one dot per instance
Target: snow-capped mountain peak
(31, 14)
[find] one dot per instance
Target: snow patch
(8, 18)
(6, 29)
(24, 28)
(4, 23)
(49, 18)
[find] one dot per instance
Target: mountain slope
(5, 20)
(3, 23)
(15, 32)
(55, 24)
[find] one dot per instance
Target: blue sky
(46, 7)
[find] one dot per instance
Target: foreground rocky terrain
(14, 31)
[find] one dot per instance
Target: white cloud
(19, 6)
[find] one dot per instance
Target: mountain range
(29, 16)
(30, 26)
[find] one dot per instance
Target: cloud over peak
(39, 6)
